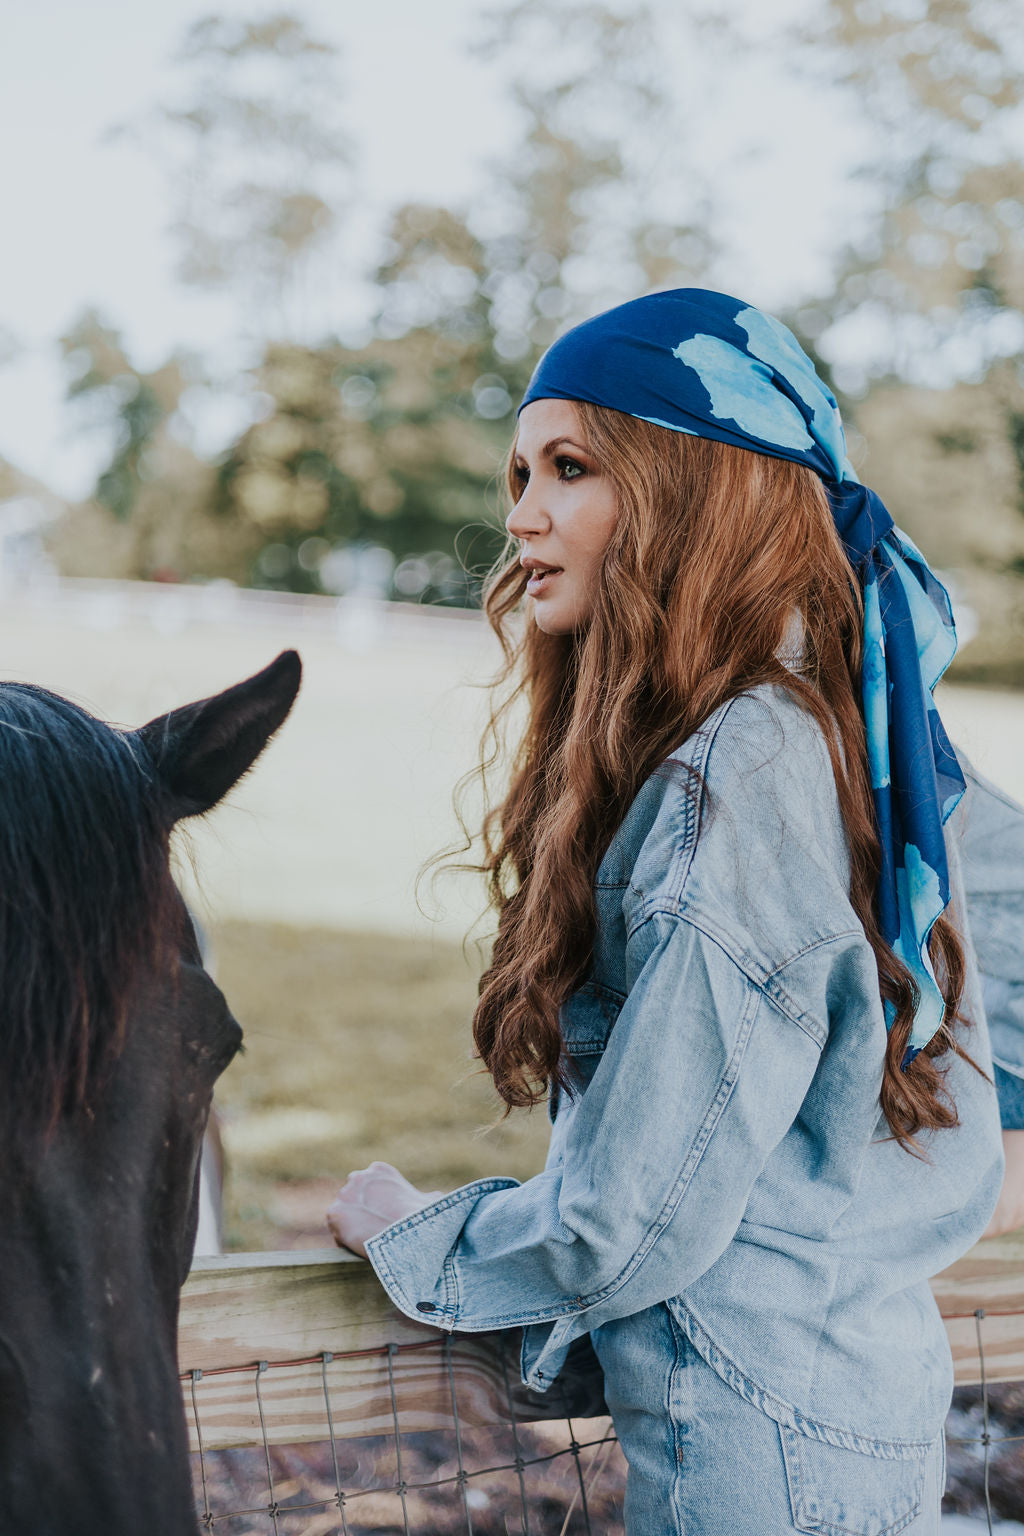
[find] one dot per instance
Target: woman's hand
(1009, 1213)
(370, 1200)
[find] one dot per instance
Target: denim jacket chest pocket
(586, 1021)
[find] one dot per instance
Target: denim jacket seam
(812, 945)
(675, 1195)
(1012, 1069)
(972, 777)
(610, 1001)
(450, 1292)
(669, 1206)
(603, 992)
(702, 741)
(766, 983)
(701, 745)
(783, 1411)
(784, 999)
(445, 1315)
(698, 750)
(466, 1191)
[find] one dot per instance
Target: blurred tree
(396, 445)
(259, 162)
(927, 319)
(947, 462)
(260, 173)
(146, 517)
(937, 285)
(281, 478)
(363, 462)
(10, 346)
(392, 447)
(134, 405)
(601, 198)
(468, 300)
(441, 418)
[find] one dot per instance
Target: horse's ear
(201, 750)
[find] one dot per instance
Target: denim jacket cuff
(414, 1258)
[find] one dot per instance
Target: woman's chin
(549, 619)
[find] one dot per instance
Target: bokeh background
(272, 284)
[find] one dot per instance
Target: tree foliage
(376, 462)
(257, 159)
(148, 515)
(395, 444)
(927, 314)
(937, 283)
(601, 197)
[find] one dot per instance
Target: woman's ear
(200, 751)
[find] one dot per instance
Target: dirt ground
(494, 1501)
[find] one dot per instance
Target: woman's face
(564, 516)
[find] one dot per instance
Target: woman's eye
(520, 474)
(569, 469)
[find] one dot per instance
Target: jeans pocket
(836, 1492)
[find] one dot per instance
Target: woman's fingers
(371, 1199)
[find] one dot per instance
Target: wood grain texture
(990, 1276)
(288, 1309)
(239, 1308)
(285, 1310)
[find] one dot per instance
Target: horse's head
(111, 1038)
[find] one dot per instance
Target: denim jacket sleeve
(727, 924)
(992, 855)
(652, 1170)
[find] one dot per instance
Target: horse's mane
(87, 905)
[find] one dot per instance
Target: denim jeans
(1010, 1089)
(705, 1461)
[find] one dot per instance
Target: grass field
(355, 793)
(356, 1007)
(356, 1046)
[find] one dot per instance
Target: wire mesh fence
(562, 1476)
(985, 1442)
(316, 1409)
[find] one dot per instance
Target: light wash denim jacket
(724, 1151)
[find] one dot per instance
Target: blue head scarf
(709, 365)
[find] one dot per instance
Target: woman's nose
(527, 517)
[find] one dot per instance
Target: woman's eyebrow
(557, 442)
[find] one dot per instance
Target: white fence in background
(357, 621)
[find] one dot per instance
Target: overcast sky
(426, 117)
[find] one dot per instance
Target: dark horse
(111, 1038)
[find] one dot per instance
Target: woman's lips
(540, 580)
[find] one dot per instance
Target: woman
(731, 946)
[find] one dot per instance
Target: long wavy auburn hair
(713, 550)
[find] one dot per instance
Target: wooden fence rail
(293, 1347)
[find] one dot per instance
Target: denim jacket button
(425, 1306)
